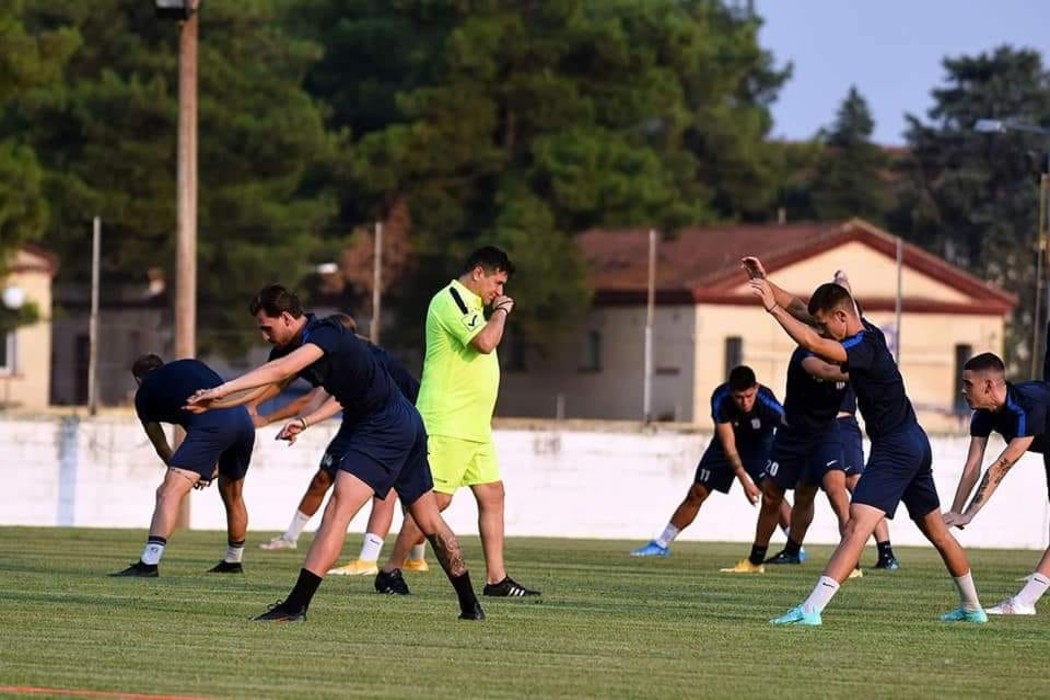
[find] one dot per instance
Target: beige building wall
(27, 380)
(614, 388)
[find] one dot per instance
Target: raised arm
(789, 302)
(489, 337)
(992, 477)
(802, 333)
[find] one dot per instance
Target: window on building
(734, 353)
(592, 352)
(963, 352)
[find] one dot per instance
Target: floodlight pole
(650, 313)
(186, 192)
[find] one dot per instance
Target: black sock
(303, 593)
(792, 547)
(234, 543)
(464, 591)
(153, 539)
(885, 549)
(758, 554)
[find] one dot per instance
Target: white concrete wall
(582, 483)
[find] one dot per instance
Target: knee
(696, 495)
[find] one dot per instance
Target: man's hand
(753, 267)
(959, 520)
(202, 399)
(751, 491)
(291, 431)
(503, 302)
(761, 289)
(203, 483)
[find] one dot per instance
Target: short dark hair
(491, 259)
(742, 378)
(830, 296)
(346, 320)
(146, 364)
(984, 362)
(274, 300)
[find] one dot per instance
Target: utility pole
(377, 283)
(650, 315)
(96, 246)
(186, 191)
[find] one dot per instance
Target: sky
(890, 49)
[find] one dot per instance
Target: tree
(106, 139)
(971, 197)
(523, 123)
(850, 178)
(27, 62)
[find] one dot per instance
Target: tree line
(456, 122)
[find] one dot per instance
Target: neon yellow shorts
(455, 462)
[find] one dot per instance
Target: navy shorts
(899, 470)
(715, 472)
(333, 454)
(852, 445)
(803, 457)
(227, 443)
(388, 450)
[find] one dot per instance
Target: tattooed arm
(992, 477)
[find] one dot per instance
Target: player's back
(1025, 413)
(404, 380)
(164, 391)
(878, 383)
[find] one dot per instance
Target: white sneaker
(1011, 607)
(278, 542)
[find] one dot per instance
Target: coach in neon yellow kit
(457, 396)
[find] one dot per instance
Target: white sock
(968, 592)
(296, 528)
(822, 594)
(669, 533)
(418, 552)
(234, 555)
(371, 547)
(1033, 590)
(152, 553)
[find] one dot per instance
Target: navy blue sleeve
(142, 408)
(720, 406)
(980, 424)
(860, 351)
(1030, 416)
(770, 406)
(325, 336)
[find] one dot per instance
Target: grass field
(606, 626)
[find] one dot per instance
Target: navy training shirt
(877, 383)
(404, 380)
(849, 400)
(165, 390)
(1024, 415)
(810, 403)
(753, 427)
(348, 370)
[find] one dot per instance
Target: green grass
(606, 626)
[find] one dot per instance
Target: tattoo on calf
(447, 551)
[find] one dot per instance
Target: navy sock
(885, 549)
(758, 554)
(303, 593)
(792, 547)
(464, 591)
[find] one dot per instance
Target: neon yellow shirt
(457, 393)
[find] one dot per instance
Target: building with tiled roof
(706, 321)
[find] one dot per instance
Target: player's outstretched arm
(971, 471)
(293, 428)
(274, 372)
(303, 405)
(792, 304)
(992, 477)
(803, 334)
